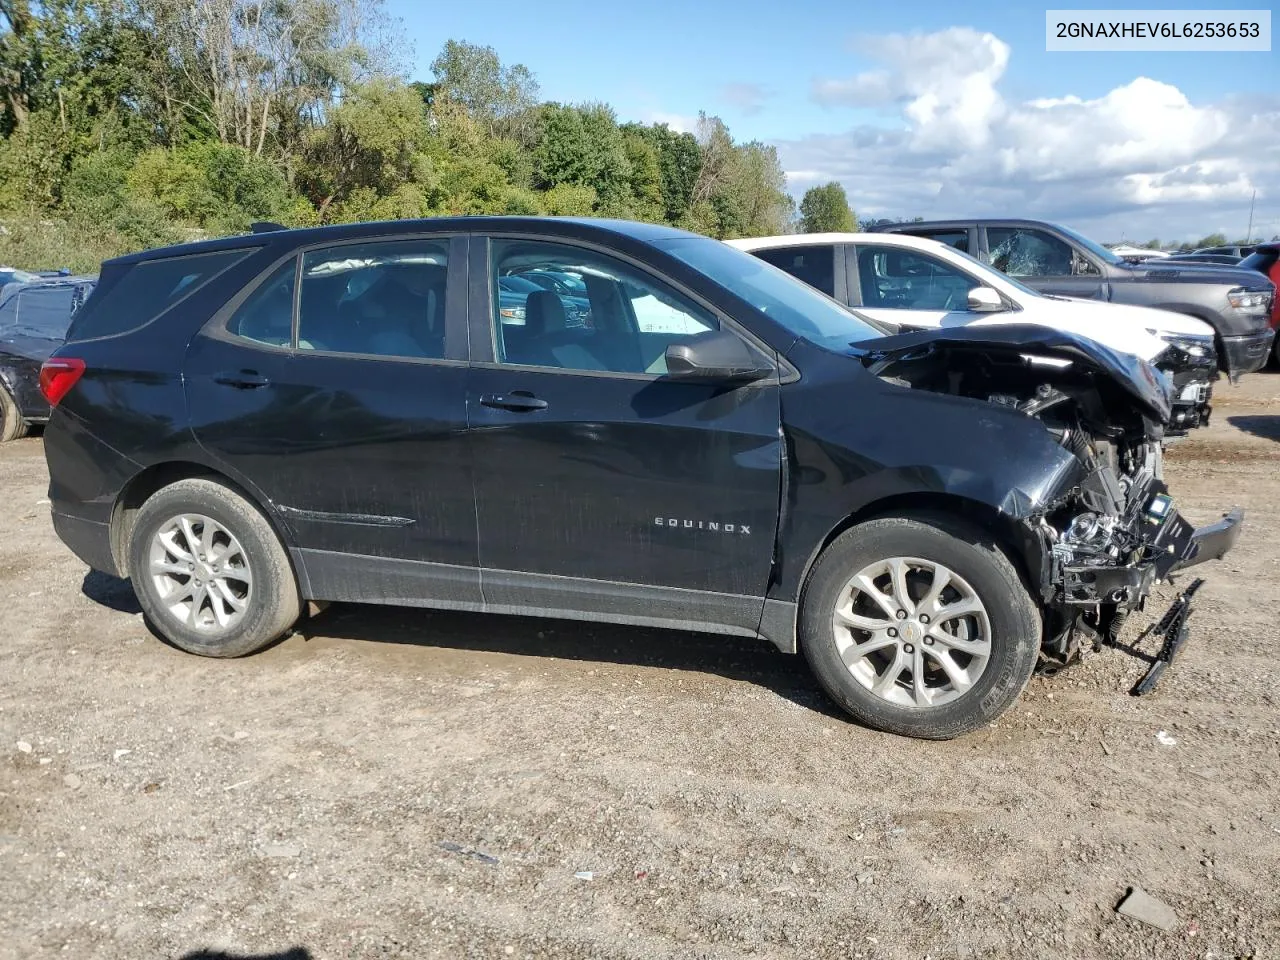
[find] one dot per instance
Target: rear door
(820, 265)
(1045, 262)
(335, 384)
(602, 485)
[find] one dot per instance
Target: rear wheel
(209, 571)
(12, 426)
(920, 627)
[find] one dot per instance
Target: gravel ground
(406, 784)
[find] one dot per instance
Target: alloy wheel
(912, 631)
(200, 572)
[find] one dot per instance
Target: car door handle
(242, 380)
(518, 402)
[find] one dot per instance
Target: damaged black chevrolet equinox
(609, 421)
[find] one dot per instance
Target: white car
(915, 283)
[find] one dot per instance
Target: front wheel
(920, 627)
(209, 571)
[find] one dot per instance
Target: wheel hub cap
(912, 631)
(200, 573)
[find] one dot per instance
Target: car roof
(584, 227)
(965, 224)
(814, 239)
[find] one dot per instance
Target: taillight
(57, 376)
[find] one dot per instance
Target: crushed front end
(1099, 545)
(1109, 540)
(1192, 365)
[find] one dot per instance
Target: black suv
(1056, 260)
(249, 423)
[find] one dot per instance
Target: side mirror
(717, 355)
(985, 300)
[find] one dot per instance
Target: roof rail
(265, 226)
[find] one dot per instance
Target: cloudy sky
(933, 109)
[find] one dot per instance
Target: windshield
(787, 301)
(1097, 249)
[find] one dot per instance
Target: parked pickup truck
(1058, 261)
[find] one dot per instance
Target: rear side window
(952, 238)
(146, 290)
(382, 299)
(267, 315)
(815, 265)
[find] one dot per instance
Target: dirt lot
(405, 784)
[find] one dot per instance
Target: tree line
(147, 121)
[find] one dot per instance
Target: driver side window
(1021, 252)
(561, 306)
(896, 278)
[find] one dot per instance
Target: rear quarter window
(146, 290)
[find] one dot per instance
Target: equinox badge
(711, 525)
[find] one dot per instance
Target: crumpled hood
(1147, 385)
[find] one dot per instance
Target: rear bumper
(88, 540)
(1246, 354)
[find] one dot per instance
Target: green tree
(1212, 240)
(371, 141)
(759, 188)
(645, 186)
(679, 160)
(825, 209)
(501, 97)
(215, 185)
(582, 146)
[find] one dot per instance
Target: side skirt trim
(341, 577)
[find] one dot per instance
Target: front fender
(906, 445)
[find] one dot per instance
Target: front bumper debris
(1214, 540)
(1173, 629)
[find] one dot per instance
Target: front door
(917, 291)
(1045, 262)
(602, 485)
(344, 404)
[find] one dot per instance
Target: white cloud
(747, 97)
(676, 121)
(1141, 160)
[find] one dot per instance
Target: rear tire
(964, 604)
(12, 426)
(209, 571)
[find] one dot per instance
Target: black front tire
(272, 605)
(1014, 617)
